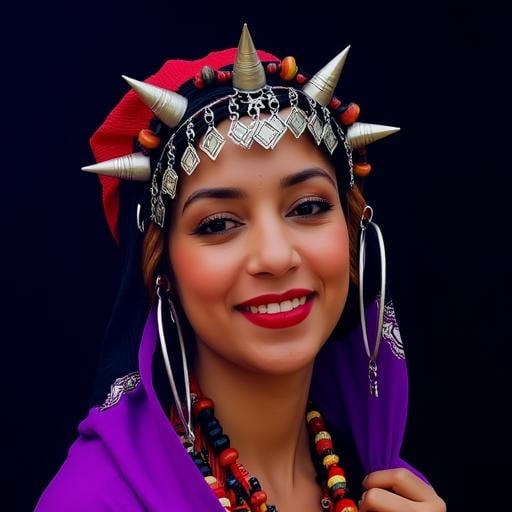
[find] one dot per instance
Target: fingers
(402, 482)
(380, 500)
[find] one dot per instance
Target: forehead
(238, 166)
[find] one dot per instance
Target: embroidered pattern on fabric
(121, 385)
(390, 330)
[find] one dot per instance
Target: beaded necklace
(230, 481)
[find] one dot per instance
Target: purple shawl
(127, 456)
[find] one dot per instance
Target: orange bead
(345, 505)
(148, 140)
(362, 169)
(351, 114)
(288, 68)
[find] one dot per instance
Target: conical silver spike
(248, 72)
(321, 86)
(168, 106)
(362, 134)
(134, 167)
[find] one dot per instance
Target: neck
(264, 417)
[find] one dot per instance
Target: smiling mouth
(277, 307)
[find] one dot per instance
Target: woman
(247, 377)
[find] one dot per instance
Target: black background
(440, 189)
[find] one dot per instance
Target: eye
(309, 204)
(215, 224)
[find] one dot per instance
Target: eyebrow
(238, 193)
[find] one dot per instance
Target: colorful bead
(335, 470)
(334, 103)
(338, 493)
(322, 435)
(328, 460)
(148, 140)
(258, 498)
(336, 479)
(208, 75)
(350, 115)
(228, 457)
(345, 505)
(210, 480)
(288, 68)
(323, 445)
(316, 425)
(198, 81)
(312, 414)
(225, 502)
(362, 169)
(272, 68)
(300, 78)
(201, 404)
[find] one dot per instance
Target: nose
(272, 246)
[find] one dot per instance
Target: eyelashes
(217, 221)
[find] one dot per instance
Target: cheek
(202, 272)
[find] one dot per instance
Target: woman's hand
(398, 490)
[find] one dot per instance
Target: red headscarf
(114, 138)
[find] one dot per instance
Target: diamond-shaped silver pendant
(315, 127)
(169, 182)
(190, 159)
(158, 211)
(212, 142)
(297, 122)
(329, 138)
(268, 133)
(279, 125)
(237, 131)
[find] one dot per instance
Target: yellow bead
(312, 414)
(225, 502)
(329, 460)
(210, 480)
(322, 435)
(336, 479)
(263, 508)
(288, 68)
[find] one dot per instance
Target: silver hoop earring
(162, 291)
(366, 221)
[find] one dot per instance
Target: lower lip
(280, 320)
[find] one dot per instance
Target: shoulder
(88, 480)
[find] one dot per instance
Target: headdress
(250, 87)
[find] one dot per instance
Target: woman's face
(225, 251)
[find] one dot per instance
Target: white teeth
(274, 307)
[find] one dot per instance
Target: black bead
(255, 484)
(155, 125)
(211, 424)
(205, 415)
(221, 443)
(214, 433)
(205, 470)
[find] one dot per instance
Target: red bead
(202, 403)
(338, 493)
(198, 81)
(228, 457)
(322, 445)
(335, 103)
(258, 498)
(351, 114)
(272, 68)
(345, 505)
(300, 78)
(219, 491)
(335, 470)
(316, 425)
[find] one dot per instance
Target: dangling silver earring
(163, 293)
(366, 220)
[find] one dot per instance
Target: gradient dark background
(439, 190)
